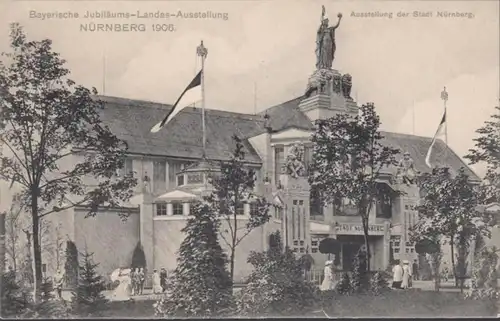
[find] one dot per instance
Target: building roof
(287, 115)
(418, 146)
(131, 120)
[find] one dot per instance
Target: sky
(263, 54)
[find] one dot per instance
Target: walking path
(149, 295)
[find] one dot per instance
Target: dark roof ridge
(126, 101)
(407, 135)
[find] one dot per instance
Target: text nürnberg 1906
(111, 25)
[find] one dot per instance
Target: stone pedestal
(327, 94)
(296, 193)
(409, 216)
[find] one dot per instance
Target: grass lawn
(408, 303)
(403, 303)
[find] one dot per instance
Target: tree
(349, 160)
(449, 209)
(231, 190)
(88, 298)
(54, 138)
(360, 278)
(201, 285)
(276, 286)
(487, 151)
(138, 257)
(71, 266)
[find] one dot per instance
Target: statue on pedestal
(294, 161)
(325, 42)
(346, 85)
(406, 172)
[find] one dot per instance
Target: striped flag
(444, 96)
(189, 96)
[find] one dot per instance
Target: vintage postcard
(249, 158)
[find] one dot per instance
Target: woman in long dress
(406, 275)
(123, 290)
(328, 281)
(156, 282)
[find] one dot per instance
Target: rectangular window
(316, 206)
(279, 162)
(174, 168)
(177, 208)
(314, 245)
(396, 243)
(126, 169)
(277, 213)
(253, 209)
(159, 176)
(343, 206)
(240, 209)
(383, 201)
(195, 179)
(161, 209)
(180, 180)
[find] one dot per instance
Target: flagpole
(104, 73)
(413, 116)
(444, 97)
(202, 52)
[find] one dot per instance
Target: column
(170, 209)
(186, 208)
(146, 230)
(386, 245)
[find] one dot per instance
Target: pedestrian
(157, 288)
(406, 275)
(163, 279)
(397, 275)
(132, 281)
(137, 281)
(328, 278)
(415, 270)
(58, 283)
(142, 279)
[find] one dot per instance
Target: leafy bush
(359, 279)
(344, 285)
(88, 299)
(276, 286)
(15, 299)
(48, 306)
(484, 277)
(201, 285)
(378, 283)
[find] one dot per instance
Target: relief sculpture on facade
(295, 161)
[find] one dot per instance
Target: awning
(319, 228)
(176, 196)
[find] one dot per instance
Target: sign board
(357, 229)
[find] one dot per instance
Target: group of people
(403, 274)
(159, 281)
(132, 282)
